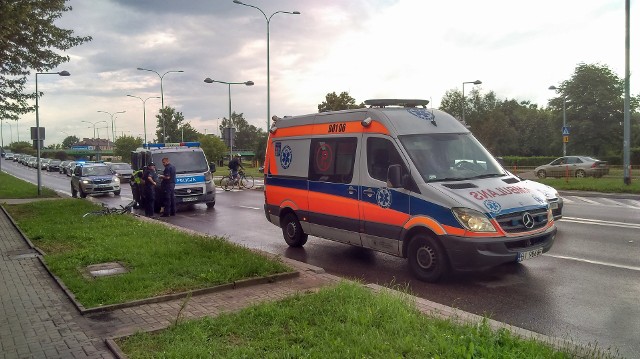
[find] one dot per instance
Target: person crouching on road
(168, 185)
(150, 179)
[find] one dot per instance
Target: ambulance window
(332, 159)
(380, 154)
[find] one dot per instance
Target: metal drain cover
(106, 269)
(22, 253)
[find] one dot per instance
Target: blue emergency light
(172, 144)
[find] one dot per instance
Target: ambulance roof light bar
(382, 103)
(172, 144)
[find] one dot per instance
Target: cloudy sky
(369, 48)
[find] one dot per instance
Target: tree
(594, 110)
(213, 148)
(247, 136)
(29, 40)
(171, 123)
(22, 147)
(124, 145)
(261, 148)
(70, 141)
(335, 102)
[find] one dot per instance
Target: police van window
(332, 159)
(380, 154)
(184, 161)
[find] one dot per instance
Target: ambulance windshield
(450, 157)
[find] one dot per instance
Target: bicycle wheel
(247, 181)
(226, 183)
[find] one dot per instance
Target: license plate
(553, 205)
(528, 254)
(189, 199)
(103, 186)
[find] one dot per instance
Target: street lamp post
(61, 73)
(246, 83)
(144, 113)
(564, 118)
(161, 92)
(268, 65)
(476, 82)
(94, 125)
(113, 131)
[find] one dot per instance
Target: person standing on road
(150, 178)
(168, 187)
(137, 188)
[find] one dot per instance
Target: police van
(402, 179)
(194, 181)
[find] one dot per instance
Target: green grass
(160, 260)
(604, 184)
(12, 187)
(344, 321)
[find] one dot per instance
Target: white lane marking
(248, 207)
(598, 222)
(594, 262)
(567, 200)
(586, 200)
(631, 203)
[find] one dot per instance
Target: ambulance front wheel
(292, 231)
(427, 259)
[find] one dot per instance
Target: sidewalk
(37, 320)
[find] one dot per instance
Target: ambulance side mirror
(394, 176)
(212, 167)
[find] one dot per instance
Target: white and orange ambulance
(403, 179)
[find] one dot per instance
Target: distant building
(100, 143)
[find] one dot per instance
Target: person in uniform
(168, 185)
(150, 180)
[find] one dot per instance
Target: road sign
(565, 131)
(565, 139)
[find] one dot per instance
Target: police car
(93, 178)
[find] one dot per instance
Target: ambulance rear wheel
(427, 259)
(292, 231)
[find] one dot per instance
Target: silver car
(573, 166)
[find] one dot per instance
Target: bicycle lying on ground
(111, 210)
(242, 181)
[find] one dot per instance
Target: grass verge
(344, 321)
(604, 184)
(160, 260)
(14, 188)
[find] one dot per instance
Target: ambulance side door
(383, 210)
(333, 188)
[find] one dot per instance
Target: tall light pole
(144, 113)
(564, 118)
(94, 125)
(61, 73)
(464, 104)
(246, 83)
(268, 65)
(161, 93)
(113, 131)
(626, 141)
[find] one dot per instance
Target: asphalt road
(586, 289)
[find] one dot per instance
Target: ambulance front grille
(515, 222)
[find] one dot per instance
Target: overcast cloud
(370, 48)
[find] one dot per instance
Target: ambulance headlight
(473, 220)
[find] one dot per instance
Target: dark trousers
(150, 201)
(169, 201)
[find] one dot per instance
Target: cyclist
(234, 164)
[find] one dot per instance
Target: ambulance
(403, 179)
(194, 181)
